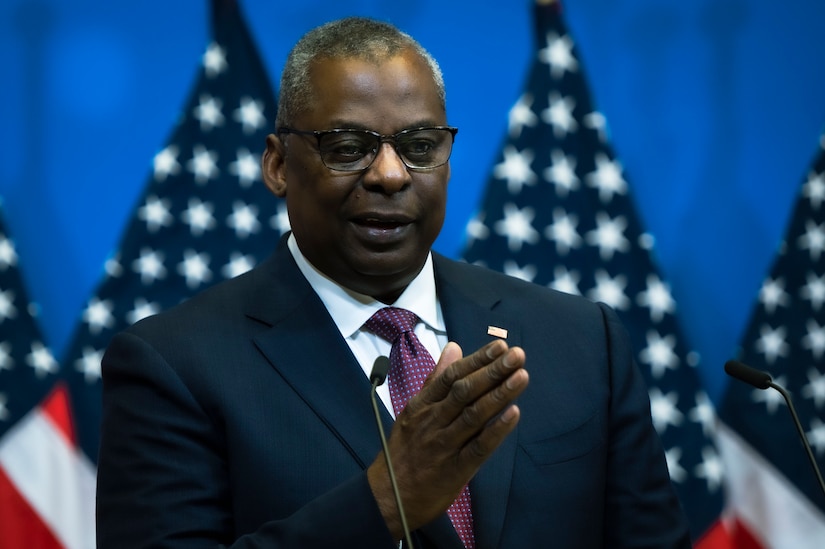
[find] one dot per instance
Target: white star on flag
(195, 268)
(563, 231)
(7, 308)
(517, 227)
(214, 60)
(773, 294)
(208, 112)
(142, 310)
(814, 291)
(559, 114)
(198, 215)
(657, 298)
(246, 167)
(528, 272)
(150, 266)
(89, 364)
(565, 281)
(203, 164)
(251, 115)
(664, 410)
(41, 360)
(166, 163)
(813, 240)
(814, 340)
(677, 472)
(814, 189)
(521, 115)
(559, 55)
(610, 290)
(6, 360)
(476, 229)
(607, 178)
(8, 255)
(244, 219)
(815, 388)
(562, 173)
(155, 212)
(608, 236)
(703, 413)
(238, 265)
(98, 315)
(516, 169)
(659, 354)
(772, 343)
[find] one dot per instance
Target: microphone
(379, 373)
(751, 376)
(762, 380)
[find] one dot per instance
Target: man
(242, 417)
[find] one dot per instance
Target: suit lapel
(469, 309)
(306, 348)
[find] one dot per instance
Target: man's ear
(273, 166)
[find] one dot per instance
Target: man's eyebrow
(350, 125)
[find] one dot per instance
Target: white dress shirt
(350, 310)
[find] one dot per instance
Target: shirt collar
(350, 310)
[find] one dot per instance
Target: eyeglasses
(347, 150)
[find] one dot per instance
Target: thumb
(450, 354)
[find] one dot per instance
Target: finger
(450, 370)
(451, 353)
(484, 412)
(479, 448)
(467, 390)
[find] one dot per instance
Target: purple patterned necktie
(410, 364)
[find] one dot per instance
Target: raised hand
(461, 415)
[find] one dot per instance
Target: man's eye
(418, 147)
(347, 147)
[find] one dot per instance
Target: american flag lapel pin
(495, 331)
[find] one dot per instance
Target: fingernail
(509, 414)
(494, 350)
(508, 360)
(510, 383)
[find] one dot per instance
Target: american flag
(775, 494)
(557, 212)
(204, 216)
(46, 483)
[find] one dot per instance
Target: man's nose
(387, 171)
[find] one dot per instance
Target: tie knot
(390, 322)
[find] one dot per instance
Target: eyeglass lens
(354, 150)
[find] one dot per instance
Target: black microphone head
(751, 376)
(379, 370)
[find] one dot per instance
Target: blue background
(715, 108)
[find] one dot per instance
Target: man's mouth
(374, 223)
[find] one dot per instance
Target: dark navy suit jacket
(241, 418)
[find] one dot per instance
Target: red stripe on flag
(743, 538)
(718, 536)
(22, 528)
(57, 409)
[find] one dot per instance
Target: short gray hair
(349, 38)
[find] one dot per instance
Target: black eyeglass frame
(319, 134)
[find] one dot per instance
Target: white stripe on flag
(765, 502)
(57, 480)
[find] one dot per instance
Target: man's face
(369, 231)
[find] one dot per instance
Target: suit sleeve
(641, 507)
(163, 479)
